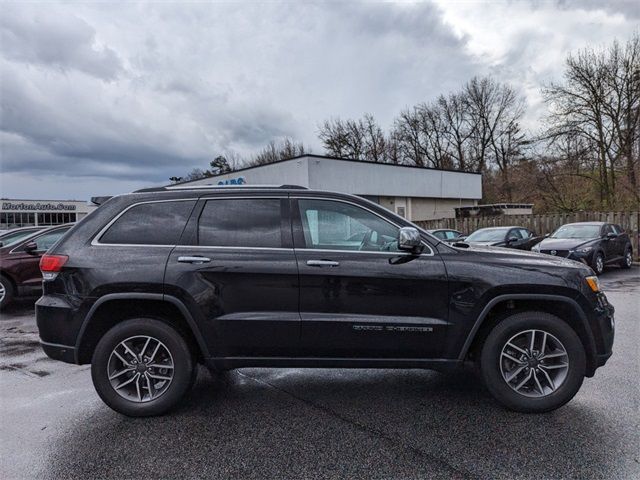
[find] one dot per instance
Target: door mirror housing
(409, 239)
(512, 239)
(610, 235)
(30, 247)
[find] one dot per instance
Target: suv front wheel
(142, 367)
(533, 362)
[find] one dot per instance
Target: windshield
(577, 231)
(487, 235)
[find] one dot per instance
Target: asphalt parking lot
(317, 423)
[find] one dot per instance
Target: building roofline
(38, 200)
(326, 157)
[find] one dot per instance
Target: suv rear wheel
(142, 367)
(533, 362)
(627, 260)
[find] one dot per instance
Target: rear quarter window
(156, 223)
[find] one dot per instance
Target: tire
(143, 395)
(496, 368)
(627, 260)
(6, 292)
(598, 263)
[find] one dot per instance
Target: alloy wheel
(534, 363)
(628, 258)
(3, 292)
(140, 368)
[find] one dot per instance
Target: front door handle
(194, 259)
(322, 263)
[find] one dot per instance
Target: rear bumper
(64, 353)
(58, 327)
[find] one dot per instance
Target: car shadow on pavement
(310, 423)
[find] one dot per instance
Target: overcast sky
(100, 99)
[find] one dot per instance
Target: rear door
(236, 269)
(359, 296)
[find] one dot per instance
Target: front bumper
(584, 257)
(603, 318)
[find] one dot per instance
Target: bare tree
(276, 151)
(361, 139)
(599, 100)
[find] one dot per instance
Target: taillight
(50, 265)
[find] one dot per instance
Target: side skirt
(228, 363)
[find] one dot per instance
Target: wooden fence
(541, 224)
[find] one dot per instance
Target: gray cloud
(115, 98)
(65, 42)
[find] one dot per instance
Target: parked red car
(19, 264)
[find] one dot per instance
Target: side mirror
(409, 239)
(30, 247)
(461, 238)
(611, 235)
(512, 239)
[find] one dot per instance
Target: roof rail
(222, 187)
(219, 187)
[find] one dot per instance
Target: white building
(25, 213)
(413, 192)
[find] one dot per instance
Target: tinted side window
(525, 233)
(515, 233)
(607, 229)
(451, 234)
(158, 223)
(46, 241)
(617, 229)
(243, 222)
(441, 235)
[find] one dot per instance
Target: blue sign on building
(233, 181)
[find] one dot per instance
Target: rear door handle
(322, 263)
(194, 259)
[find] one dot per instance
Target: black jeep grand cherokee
(156, 281)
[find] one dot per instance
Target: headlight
(584, 250)
(593, 283)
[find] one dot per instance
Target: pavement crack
(369, 430)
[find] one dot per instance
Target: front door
(236, 268)
(359, 295)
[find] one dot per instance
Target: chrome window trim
(223, 247)
(95, 242)
(399, 253)
(303, 197)
(96, 239)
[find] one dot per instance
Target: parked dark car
(447, 234)
(19, 264)
(7, 237)
(510, 237)
(153, 282)
(594, 243)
